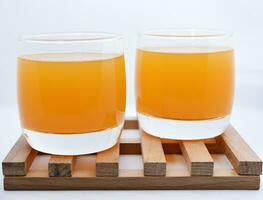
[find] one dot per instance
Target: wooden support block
(243, 158)
(18, 160)
(131, 123)
(153, 155)
(107, 162)
(198, 158)
(130, 146)
(136, 182)
(60, 166)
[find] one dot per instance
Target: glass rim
(70, 37)
(187, 33)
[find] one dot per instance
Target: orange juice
(71, 92)
(185, 83)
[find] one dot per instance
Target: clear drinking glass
(184, 82)
(71, 91)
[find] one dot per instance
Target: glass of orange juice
(184, 82)
(71, 91)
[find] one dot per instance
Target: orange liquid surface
(186, 84)
(71, 93)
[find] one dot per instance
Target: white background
(243, 17)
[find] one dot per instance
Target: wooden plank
(206, 141)
(243, 158)
(60, 166)
(200, 162)
(153, 155)
(130, 146)
(84, 174)
(84, 177)
(18, 160)
(136, 182)
(133, 146)
(214, 148)
(210, 144)
(171, 148)
(107, 162)
(131, 123)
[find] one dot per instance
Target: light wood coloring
(243, 158)
(199, 161)
(18, 160)
(60, 166)
(153, 155)
(107, 162)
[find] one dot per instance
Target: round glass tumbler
(71, 91)
(184, 82)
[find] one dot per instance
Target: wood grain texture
(165, 172)
(107, 162)
(60, 166)
(199, 161)
(18, 160)
(133, 146)
(138, 183)
(84, 177)
(153, 155)
(130, 146)
(131, 123)
(243, 158)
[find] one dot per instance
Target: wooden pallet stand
(165, 164)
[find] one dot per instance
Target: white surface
(182, 129)
(242, 17)
(73, 144)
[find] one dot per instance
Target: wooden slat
(107, 162)
(210, 144)
(129, 146)
(214, 148)
(153, 155)
(18, 160)
(206, 141)
(243, 158)
(133, 146)
(84, 177)
(199, 160)
(137, 182)
(131, 123)
(84, 173)
(60, 166)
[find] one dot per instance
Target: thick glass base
(183, 129)
(73, 144)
